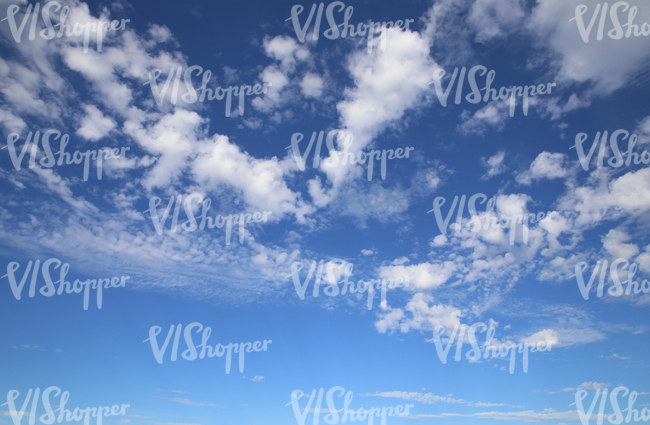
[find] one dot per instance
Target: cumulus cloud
(418, 315)
(579, 62)
(614, 244)
(548, 336)
(495, 18)
(426, 275)
(312, 85)
(493, 165)
(95, 125)
(546, 166)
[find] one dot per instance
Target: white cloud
(387, 84)
(260, 181)
(11, 122)
(495, 18)
(278, 81)
(160, 33)
(439, 240)
(493, 165)
(286, 50)
(422, 316)
(190, 402)
(258, 379)
(427, 276)
(602, 199)
(580, 62)
(546, 166)
(548, 336)
(589, 386)
(427, 398)
(494, 114)
(312, 85)
(526, 416)
(94, 125)
(614, 244)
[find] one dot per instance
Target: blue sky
(382, 228)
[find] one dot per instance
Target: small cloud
(173, 391)
(190, 402)
(258, 379)
(546, 166)
(13, 412)
(481, 404)
(400, 261)
(616, 356)
(312, 85)
(95, 125)
(28, 347)
(493, 165)
(124, 420)
(439, 240)
(588, 386)
(506, 327)
(367, 252)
